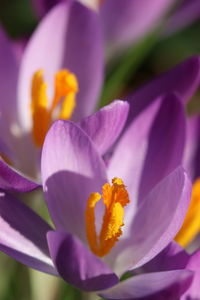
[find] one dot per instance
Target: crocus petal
(145, 145)
(77, 265)
(173, 257)
(71, 170)
(165, 140)
(153, 286)
(76, 45)
(9, 124)
(156, 222)
(8, 81)
(183, 79)
(11, 180)
(193, 291)
(104, 126)
(41, 7)
(124, 22)
(187, 14)
(23, 235)
(192, 147)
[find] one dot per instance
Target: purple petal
(77, 46)
(11, 180)
(26, 156)
(166, 142)
(23, 235)
(156, 222)
(124, 22)
(173, 257)
(9, 128)
(104, 126)
(71, 170)
(184, 16)
(140, 157)
(8, 81)
(192, 147)
(152, 286)
(18, 47)
(77, 265)
(183, 79)
(193, 292)
(41, 7)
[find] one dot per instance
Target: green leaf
(126, 68)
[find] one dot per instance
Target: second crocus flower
(59, 76)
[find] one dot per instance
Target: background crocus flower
(73, 172)
(29, 97)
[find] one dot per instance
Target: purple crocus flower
(30, 99)
(155, 189)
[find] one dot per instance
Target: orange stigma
(114, 197)
(66, 88)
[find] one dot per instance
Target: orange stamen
(66, 88)
(115, 197)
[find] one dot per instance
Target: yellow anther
(191, 224)
(66, 88)
(115, 197)
(65, 83)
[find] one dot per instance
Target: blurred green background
(140, 63)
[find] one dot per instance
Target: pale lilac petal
(68, 37)
(184, 16)
(184, 79)
(156, 222)
(77, 265)
(11, 180)
(23, 235)
(104, 126)
(140, 156)
(168, 285)
(193, 292)
(71, 170)
(125, 22)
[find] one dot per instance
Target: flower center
(63, 104)
(191, 224)
(115, 197)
